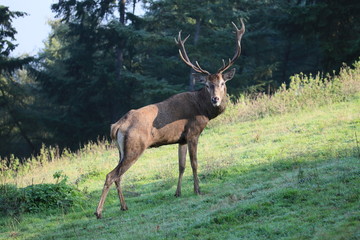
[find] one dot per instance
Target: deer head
(215, 83)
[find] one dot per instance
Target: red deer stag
(179, 119)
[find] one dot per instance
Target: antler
(185, 57)
(239, 34)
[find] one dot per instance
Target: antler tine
(184, 56)
(239, 34)
(202, 70)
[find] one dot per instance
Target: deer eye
(223, 84)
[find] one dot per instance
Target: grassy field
(293, 175)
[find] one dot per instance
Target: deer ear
(201, 78)
(229, 75)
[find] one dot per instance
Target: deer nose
(215, 99)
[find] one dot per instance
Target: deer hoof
(177, 194)
(125, 208)
(98, 215)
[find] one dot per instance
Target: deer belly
(169, 134)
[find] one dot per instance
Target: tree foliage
(333, 25)
(7, 36)
(14, 97)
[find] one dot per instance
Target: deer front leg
(193, 159)
(182, 161)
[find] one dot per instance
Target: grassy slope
(293, 176)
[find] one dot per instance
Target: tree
(331, 25)
(7, 36)
(14, 97)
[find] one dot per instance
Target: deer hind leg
(110, 178)
(126, 165)
(113, 176)
(182, 161)
(129, 153)
(120, 144)
(123, 206)
(193, 159)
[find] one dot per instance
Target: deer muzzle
(215, 101)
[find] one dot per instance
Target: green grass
(289, 176)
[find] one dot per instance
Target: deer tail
(113, 131)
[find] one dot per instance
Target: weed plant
(39, 197)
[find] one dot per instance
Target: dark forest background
(101, 59)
